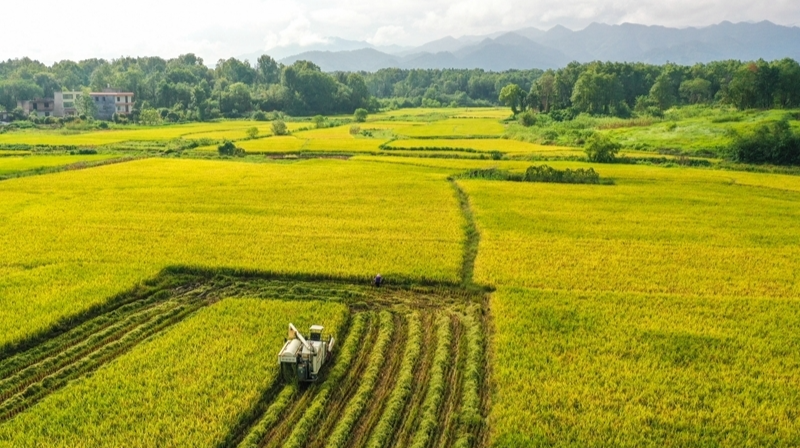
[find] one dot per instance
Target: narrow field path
(472, 236)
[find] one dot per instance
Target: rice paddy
(143, 303)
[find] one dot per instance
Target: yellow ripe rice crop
(10, 165)
(285, 143)
(215, 130)
(497, 113)
(454, 127)
(485, 145)
(5, 152)
(338, 132)
(655, 311)
(469, 112)
(94, 233)
(186, 387)
(240, 132)
(684, 237)
(344, 145)
(640, 370)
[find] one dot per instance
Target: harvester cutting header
(303, 359)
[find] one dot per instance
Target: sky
(53, 30)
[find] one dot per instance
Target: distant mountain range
(534, 48)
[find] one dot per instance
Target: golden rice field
(73, 239)
(10, 165)
(655, 321)
(485, 145)
(468, 112)
(454, 127)
(149, 298)
(189, 384)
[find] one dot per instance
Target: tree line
(622, 89)
(185, 89)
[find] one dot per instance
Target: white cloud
(215, 30)
(388, 35)
(298, 32)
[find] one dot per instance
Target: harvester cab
(302, 359)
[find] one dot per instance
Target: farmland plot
(658, 310)
(73, 240)
(398, 374)
(12, 165)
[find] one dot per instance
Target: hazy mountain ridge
(533, 48)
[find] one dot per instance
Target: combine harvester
(302, 360)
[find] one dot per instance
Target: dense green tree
(695, 91)
(513, 96)
(600, 148)
(85, 104)
(267, 70)
(596, 93)
(13, 90)
(360, 115)
(773, 143)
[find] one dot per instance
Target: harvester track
(39, 367)
(366, 422)
(29, 376)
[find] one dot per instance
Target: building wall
(64, 103)
(106, 105)
(123, 103)
(42, 107)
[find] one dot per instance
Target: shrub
(355, 129)
(360, 115)
(600, 148)
(229, 149)
(279, 128)
(319, 121)
(541, 173)
(545, 173)
(773, 143)
(528, 119)
(260, 116)
(252, 132)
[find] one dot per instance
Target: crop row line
(356, 406)
(343, 392)
(260, 430)
(451, 400)
(436, 386)
(470, 418)
(47, 365)
(37, 391)
(73, 337)
(311, 415)
(397, 400)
